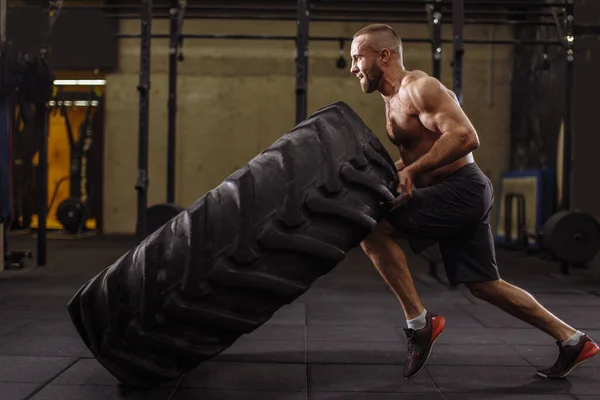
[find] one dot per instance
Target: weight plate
(572, 237)
(159, 214)
(72, 214)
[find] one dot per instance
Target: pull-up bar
(340, 38)
(480, 3)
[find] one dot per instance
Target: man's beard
(371, 80)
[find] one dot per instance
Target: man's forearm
(447, 149)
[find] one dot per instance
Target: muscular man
(450, 205)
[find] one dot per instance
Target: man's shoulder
(419, 80)
(419, 88)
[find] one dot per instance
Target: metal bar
(302, 61)
(524, 3)
(457, 64)
(409, 11)
(41, 116)
(144, 90)
(317, 18)
(338, 38)
(568, 133)
(469, 4)
(3, 11)
(435, 23)
(177, 11)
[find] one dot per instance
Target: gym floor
(342, 340)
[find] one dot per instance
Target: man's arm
(439, 112)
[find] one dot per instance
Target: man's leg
(471, 260)
(575, 346)
(521, 305)
(423, 327)
(389, 259)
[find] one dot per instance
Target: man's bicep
(448, 117)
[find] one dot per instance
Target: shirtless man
(450, 205)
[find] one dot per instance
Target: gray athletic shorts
(455, 214)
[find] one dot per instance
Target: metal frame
(342, 38)
(434, 13)
(144, 112)
(458, 9)
(569, 41)
(476, 11)
(302, 61)
(177, 12)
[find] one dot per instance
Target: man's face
(365, 64)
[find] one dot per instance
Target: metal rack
(558, 14)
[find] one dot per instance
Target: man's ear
(384, 55)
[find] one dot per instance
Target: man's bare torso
(413, 140)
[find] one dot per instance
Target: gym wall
(237, 97)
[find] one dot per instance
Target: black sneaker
(420, 343)
(570, 357)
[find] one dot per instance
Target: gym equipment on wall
(159, 214)
(73, 212)
(248, 247)
(570, 237)
(26, 80)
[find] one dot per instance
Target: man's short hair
(390, 38)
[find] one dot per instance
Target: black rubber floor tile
(501, 396)
(17, 391)
(499, 380)
(31, 369)
(530, 336)
(11, 325)
(346, 314)
(265, 351)
(329, 295)
(188, 394)
(86, 372)
(280, 333)
(475, 336)
(373, 396)
(247, 376)
(58, 392)
(42, 346)
(476, 354)
(542, 356)
(584, 381)
(326, 333)
(69, 392)
(356, 353)
(34, 300)
(291, 314)
(38, 312)
(492, 317)
(46, 328)
(365, 378)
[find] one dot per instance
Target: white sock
(573, 340)
(419, 322)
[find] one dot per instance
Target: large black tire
(253, 244)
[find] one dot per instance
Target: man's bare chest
(402, 126)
